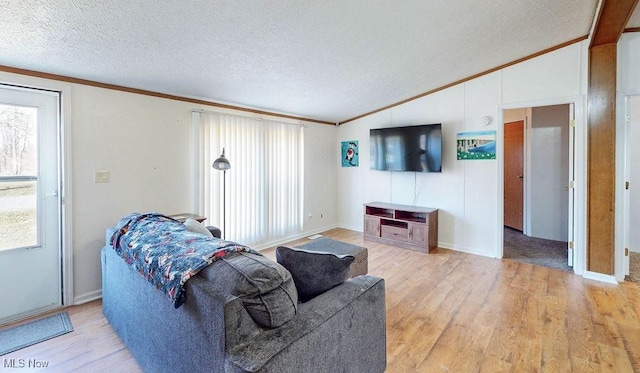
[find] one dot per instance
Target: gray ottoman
(327, 245)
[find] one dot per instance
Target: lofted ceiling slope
(325, 60)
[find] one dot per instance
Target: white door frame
(571, 188)
(621, 262)
(580, 163)
(66, 173)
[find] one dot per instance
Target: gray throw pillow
(265, 288)
(314, 272)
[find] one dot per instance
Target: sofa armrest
(215, 231)
(153, 330)
(347, 322)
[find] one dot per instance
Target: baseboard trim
(88, 297)
(447, 246)
(349, 227)
(600, 277)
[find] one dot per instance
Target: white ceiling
(326, 60)
(634, 21)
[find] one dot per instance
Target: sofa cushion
(265, 288)
(314, 272)
(194, 226)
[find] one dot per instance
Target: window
(263, 194)
(18, 176)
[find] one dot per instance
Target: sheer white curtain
(264, 184)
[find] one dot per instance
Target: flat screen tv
(410, 148)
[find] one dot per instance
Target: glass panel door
(30, 224)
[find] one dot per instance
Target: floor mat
(21, 336)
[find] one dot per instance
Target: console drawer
(394, 233)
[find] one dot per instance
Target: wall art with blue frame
(350, 157)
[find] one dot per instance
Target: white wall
(466, 192)
(146, 144)
(320, 157)
(549, 159)
(514, 115)
(628, 62)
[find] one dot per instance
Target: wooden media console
(409, 227)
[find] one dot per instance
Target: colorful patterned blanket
(164, 252)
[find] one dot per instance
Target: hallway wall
(548, 202)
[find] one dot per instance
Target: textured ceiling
(326, 60)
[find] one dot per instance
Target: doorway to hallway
(538, 190)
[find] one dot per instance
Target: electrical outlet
(101, 176)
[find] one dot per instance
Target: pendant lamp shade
(222, 163)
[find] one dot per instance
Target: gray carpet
(21, 336)
(537, 251)
(634, 268)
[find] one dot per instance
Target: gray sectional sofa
(218, 329)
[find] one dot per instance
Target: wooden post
(601, 121)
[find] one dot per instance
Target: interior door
(30, 244)
(513, 174)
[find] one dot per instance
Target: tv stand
(409, 227)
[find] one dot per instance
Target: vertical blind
(264, 184)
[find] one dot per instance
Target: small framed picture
(476, 145)
(350, 156)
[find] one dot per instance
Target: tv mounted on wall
(410, 148)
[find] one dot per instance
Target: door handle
(566, 189)
(520, 176)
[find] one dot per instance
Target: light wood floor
(446, 312)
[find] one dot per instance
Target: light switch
(101, 176)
